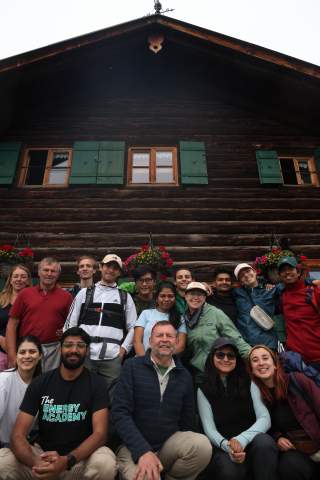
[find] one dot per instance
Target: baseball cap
(224, 342)
(196, 286)
(288, 261)
(112, 257)
(239, 267)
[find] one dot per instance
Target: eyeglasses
(78, 345)
(145, 280)
(222, 355)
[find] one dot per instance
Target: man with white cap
(108, 315)
(247, 296)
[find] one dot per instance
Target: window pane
(304, 171)
(164, 175)
(288, 171)
(141, 160)
(140, 175)
(164, 159)
(60, 160)
(36, 167)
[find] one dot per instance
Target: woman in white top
(165, 310)
(14, 382)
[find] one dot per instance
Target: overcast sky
(288, 26)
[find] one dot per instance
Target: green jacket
(213, 323)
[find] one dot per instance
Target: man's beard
(72, 365)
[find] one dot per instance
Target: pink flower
(165, 255)
(264, 259)
(162, 248)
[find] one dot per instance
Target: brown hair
(280, 379)
(7, 292)
(89, 257)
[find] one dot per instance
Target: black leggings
(295, 465)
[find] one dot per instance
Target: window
(45, 167)
(298, 171)
(152, 165)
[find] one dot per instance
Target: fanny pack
(261, 318)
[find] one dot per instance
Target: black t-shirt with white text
(65, 408)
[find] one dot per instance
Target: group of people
(182, 374)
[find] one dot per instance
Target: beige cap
(239, 267)
(196, 286)
(112, 257)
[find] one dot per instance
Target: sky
(287, 26)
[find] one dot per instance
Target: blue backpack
(292, 362)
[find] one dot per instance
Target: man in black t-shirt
(72, 407)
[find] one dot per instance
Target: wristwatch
(71, 461)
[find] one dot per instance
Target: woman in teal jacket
(205, 323)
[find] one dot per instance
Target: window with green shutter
(9, 156)
(269, 167)
(98, 163)
(193, 163)
(287, 170)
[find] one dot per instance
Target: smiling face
(86, 268)
(195, 299)
(163, 341)
(165, 299)
(73, 352)
(182, 279)
(248, 277)
(48, 274)
(145, 284)
(262, 365)
(110, 272)
(28, 357)
(225, 360)
(223, 283)
(289, 275)
(19, 279)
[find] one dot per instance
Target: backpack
(89, 300)
(293, 362)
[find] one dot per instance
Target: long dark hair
(174, 315)
(35, 340)
(238, 381)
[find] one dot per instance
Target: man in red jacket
(301, 310)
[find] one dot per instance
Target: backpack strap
(87, 302)
(123, 301)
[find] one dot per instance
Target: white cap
(112, 257)
(196, 286)
(239, 267)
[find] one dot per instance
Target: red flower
(26, 252)
(163, 277)
(162, 248)
(303, 258)
(258, 271)
(145, 247)
(165, 255)
(7, 248)
(264, 259)
(169, 262)
(275, 249)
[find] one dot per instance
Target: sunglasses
(222, 355)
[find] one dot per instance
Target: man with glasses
(72, 407)
(142, 289)
(153, 413)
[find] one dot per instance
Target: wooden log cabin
(156, 125)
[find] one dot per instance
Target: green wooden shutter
(85, 158)
(193, 163)
(9, 155)
(317, 160)
(269, 167)
(111, 163)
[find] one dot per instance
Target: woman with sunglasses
(165, 310)
(14, 383)
(234, 418)
(293, 401)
